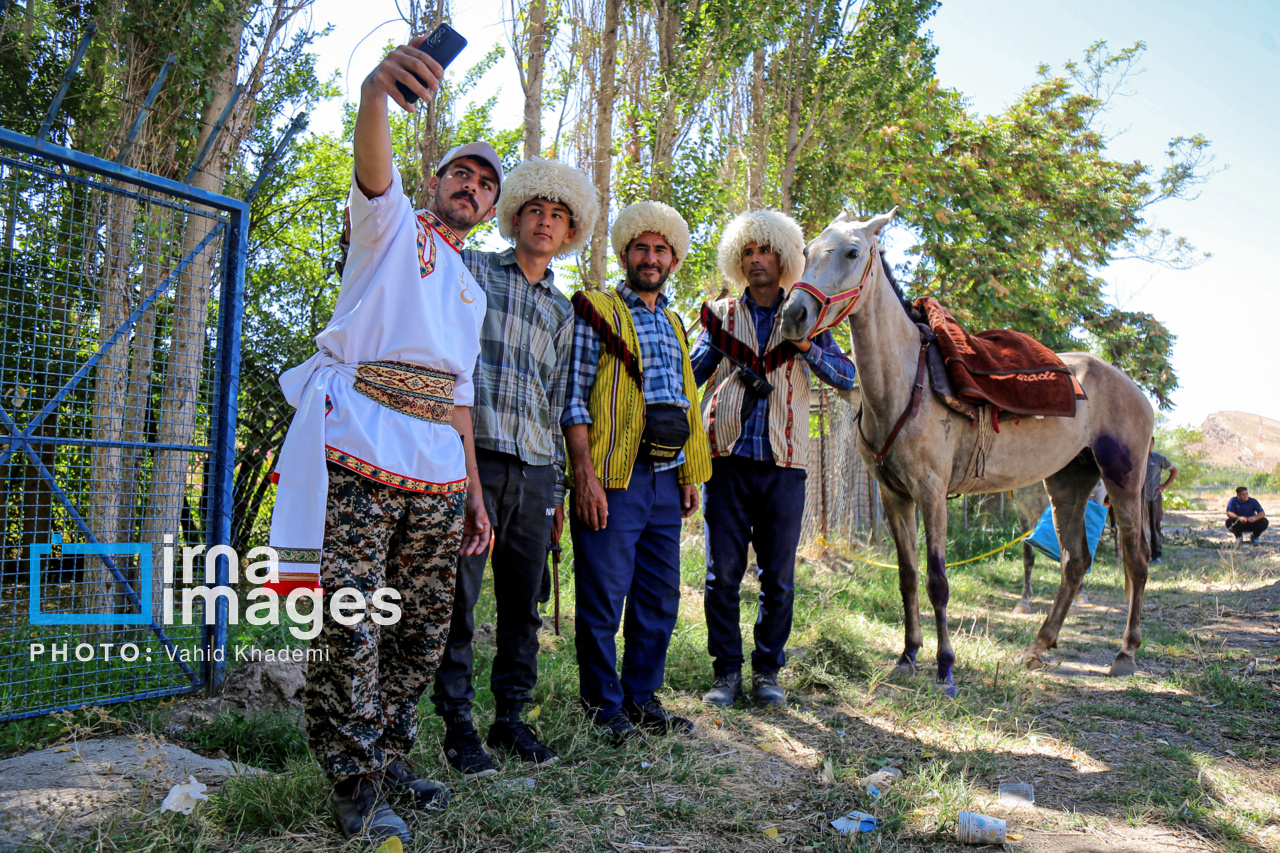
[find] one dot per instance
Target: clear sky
(1209, 68)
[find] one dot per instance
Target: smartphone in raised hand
(443, 45)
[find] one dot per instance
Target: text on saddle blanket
(1009, 371)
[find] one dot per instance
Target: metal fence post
(229, 329)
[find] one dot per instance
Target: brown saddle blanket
(1007, 370)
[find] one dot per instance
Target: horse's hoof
(1023, 607)
(945, 687)
(1123, 665)
(904, 668)
(1031, 660)
(1082, 600)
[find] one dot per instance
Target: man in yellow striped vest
(637, 452)
(757, 414)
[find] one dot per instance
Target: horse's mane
(912, 313)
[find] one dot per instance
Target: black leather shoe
(516, 736)
(619, 729)
(465, 753)
(652, 716)
(765, 690)
(426, 793)
(362, 809)
(725, 691)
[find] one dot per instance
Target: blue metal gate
(121, 296)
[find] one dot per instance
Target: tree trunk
(138, 394)
(792, 157)
(760, 134)
(533, 78)
(110, 377)
(669, 26)
(604, 142)
(179, 396)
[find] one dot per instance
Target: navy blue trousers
(634, 560)
(760, 503)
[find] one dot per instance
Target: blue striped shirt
(660, 358)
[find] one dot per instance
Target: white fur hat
(771, 228)
(645, 216)
(538, 177)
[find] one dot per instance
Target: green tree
(1017, 214)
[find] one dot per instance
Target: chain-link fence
(842, 504)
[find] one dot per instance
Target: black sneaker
(362, 809)
(652, 716)
(426, 794)
(725, 691)
(465, 753)
(619, 729)
(765, 690)
(516, 736)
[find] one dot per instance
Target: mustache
(471, 199)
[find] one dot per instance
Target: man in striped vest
(757, 415)
(637, 452)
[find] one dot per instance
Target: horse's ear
(877, 223)
(843, 217)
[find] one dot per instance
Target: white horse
(921, 451)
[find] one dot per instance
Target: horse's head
(838, 264)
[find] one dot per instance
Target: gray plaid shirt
(519, 379)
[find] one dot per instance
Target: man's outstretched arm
(373, 152)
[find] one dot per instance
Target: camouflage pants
(362, 702)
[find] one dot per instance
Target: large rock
(65, 791)
(264, 685)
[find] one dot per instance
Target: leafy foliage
(1016, 215)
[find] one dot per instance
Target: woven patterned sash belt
(418, 392)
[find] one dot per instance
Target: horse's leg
(1130, 518)
(933, 509)
(1028, 563)
(1068, 492)
(901, 515)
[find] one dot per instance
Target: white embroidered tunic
(406, 297)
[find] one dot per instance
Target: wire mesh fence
(111, 359)
(842, 500)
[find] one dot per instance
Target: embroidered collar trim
(432, 221)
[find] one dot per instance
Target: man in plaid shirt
(547, 209)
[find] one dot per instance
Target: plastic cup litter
(980, 829)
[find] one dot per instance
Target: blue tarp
(1045, 538)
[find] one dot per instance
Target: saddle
(1013, 373)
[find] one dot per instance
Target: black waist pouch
(666, 429)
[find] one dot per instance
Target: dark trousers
(1254, 528)
(1155, 522)
(517, 497)
(762, 504)
(634, 560)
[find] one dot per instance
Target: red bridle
(827, 303)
